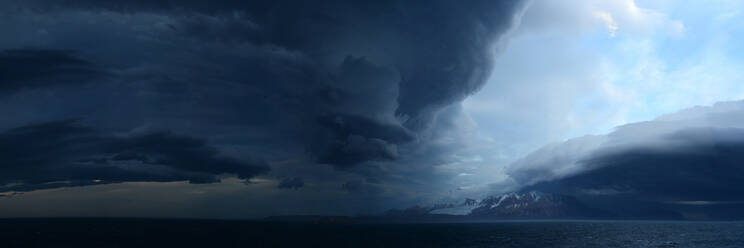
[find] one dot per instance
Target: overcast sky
(238, 109)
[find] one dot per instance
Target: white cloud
(582, 16)
(558, 160)
(609, 22)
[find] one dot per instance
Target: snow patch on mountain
(459, 209)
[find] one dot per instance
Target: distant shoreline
(328, 219)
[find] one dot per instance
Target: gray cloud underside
(27, 69)
(291, 183)
(63, 153)
(342, 83)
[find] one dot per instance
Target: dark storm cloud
(351, 84)
(28, 69)
(64, 153)
(379, 143)
(291, 183)
(361, 187)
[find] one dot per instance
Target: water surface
(212, 233)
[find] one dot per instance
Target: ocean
(215, 233)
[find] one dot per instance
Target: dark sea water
(204, 233)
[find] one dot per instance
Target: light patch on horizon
(705, 203)
(231, 198)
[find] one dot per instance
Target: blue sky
(575, 68)
(585, 70)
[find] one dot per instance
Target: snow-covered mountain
(527, 205)
(532, 204)
(460, 209)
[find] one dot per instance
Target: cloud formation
(361, 187)
(64, 153)
(291, 183)
(691, 155)
(29, 68)
(616, 17)
(361, 87)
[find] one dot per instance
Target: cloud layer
(27, 69)
(63, 153)
(183, 90)
(690, 156)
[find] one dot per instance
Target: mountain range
(533, 204)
